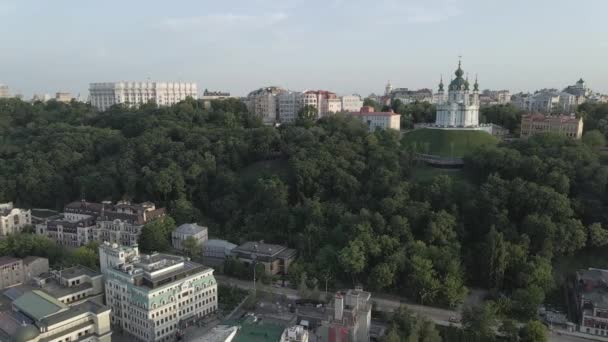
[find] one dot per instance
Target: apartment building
(71, 285)
(289, 105)
(4, 93)
(592, 301)
(105, 95)
(63, 97)
(350, 317)
(567, 125)
(12, 220)
(15, 271)
(263, 103)
(154, 296)
(326, 102)
(351, 103)
(381, 120)
(83, 222)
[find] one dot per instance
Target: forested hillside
(340, 195)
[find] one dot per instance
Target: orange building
(567, 125)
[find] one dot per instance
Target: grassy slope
(439, 142)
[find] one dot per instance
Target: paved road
(384, 303)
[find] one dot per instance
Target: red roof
(537, 117)
(369, 111)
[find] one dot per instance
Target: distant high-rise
(4, 94)
(105, 95)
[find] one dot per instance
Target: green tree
(191, 247)
(480, 320)
(156, 235)
(85, 256)
(598, 236)
(534, 331)
(594, 139)
(509, 330)
(308, 114)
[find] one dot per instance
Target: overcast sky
(347, 46)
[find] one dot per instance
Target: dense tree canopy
(343, 197)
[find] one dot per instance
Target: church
(460, 109)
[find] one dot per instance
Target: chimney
(338, 307)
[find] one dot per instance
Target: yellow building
(567, 125)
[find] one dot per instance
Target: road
(384, 303)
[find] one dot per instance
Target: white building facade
(351, 103)
(105, 95)
(460, 109)
(12, 220)
(381, 120)
(263, 103)
(153, 297)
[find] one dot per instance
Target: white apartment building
(325, 101)
(351, 103)
(263, 103)
(154, 296)
(290, 103)
(12, 219)
(4, 93)
(105, 95)
(382, 120)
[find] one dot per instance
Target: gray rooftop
(260, 248)
(78, 271)
(190, 229)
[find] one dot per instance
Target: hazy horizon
(342, 46)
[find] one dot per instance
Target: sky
(346, 46)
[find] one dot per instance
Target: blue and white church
(460, 108)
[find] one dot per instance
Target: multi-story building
(381, 120)
(548, 101)
(592, 301)
(263, 103)
(11, 271)
(72, 285)
(63, 97)
(83, 222)
(295, 333)
(351, 103)
(494, 97)
(154, 296)
(567, 125)
(41, 97)
(208, 96)
(289, 104)
(105, 95)
(14, 271)
(275, 258)
(409, 96)
(215, 252)
(12, 220)
(186, 231)
(4, 93)
(326, 102)
(66, 232)
(350, 318)
(37, 317)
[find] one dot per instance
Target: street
(386, 303)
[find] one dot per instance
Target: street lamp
(253, 258)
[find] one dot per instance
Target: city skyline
(346, 47)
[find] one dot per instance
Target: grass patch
(447, 143)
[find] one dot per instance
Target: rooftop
(260, 248)
(78, 271)
(538, 117)
(38, 305)
(190, 229)
(6, 260)
(29, 259)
